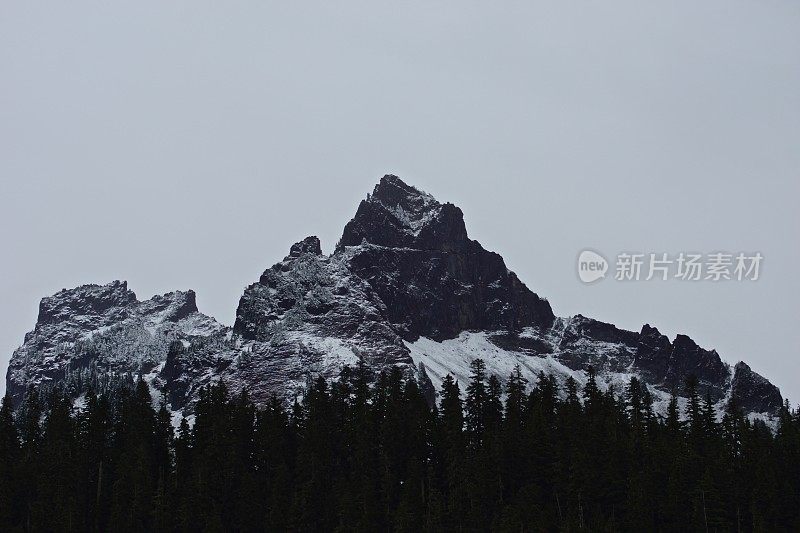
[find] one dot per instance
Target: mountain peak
(172, 306)
(753, 392)
(397, 215)
(410, 208)
(91, 300)
(309, 245)
(396, 194)
(420, 243)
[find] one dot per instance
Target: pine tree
(454, 443)
(55, 506)
(93, 427)
(694, 412)
(515, 401)
(592, 399)
(30, 431)
(9, 459)
(133, 490)
(314, 509)
(673, 424)
(475, 404)
(163, 499)
(513, 450)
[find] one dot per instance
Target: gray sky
(188, 144)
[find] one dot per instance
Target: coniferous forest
(368, 453)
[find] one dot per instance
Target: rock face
(667, 364)
(434, 280)
(85, 333)
(310, 315)
(752, 392)
(405, 287)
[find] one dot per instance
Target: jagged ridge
(404, 287)
(83, 333)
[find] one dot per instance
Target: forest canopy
(369, 453)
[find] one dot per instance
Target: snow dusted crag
(309, 315)
(90, 335)
(404, 287)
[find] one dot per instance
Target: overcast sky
(183, 145)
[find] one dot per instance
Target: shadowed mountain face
(434, 280)
(405, 287)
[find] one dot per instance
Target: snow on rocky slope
(84, 333)
(405, 287)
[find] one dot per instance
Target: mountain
(94, 333)
(404, 287)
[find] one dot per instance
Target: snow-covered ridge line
(454, 356)
(405, 285)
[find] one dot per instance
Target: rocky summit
(405, 287)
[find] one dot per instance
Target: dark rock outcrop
(667, 364)
(588, 342)
(434, 280)
(652, 354)
(752, 392)
(688, 358)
